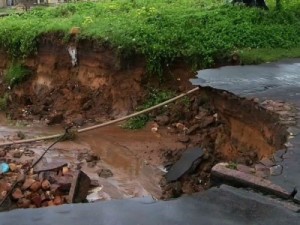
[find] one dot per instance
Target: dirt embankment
(103, 84)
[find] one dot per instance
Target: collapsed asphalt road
(224, 205)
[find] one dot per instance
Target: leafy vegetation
(198, 31)
(15, 74)
(155, 97)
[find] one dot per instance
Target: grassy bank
(198, 31)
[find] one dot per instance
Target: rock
(28, 182)
(36, 186)
(21, 135)
(58, 200)
(17, 154)
(267, 162)
(260, 167)
(78, 121)
(193, 128)
(162, 120)
(201, 114)
(23, 203)
(245, 169)
(36, 200)
(105, 173)
(181, 126)
(13, 167)
(92, 164)
(55, 118)
(51, 203)
(21, 178)
(65, 170)
(27, 194)
(2, 153)
(46, 185)
(44, 204)
(276, 170)
(64, 183)
(17, 194)
(28, 152)
(183, 138)
(87, 105)
(91, 157)
(207, 121)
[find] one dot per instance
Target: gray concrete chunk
(187, 161)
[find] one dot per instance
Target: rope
(103, 124)
(34, 164)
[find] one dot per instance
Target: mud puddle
(121, 170)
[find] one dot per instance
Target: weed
(155, 97)
(16, 74)
(137, 122)
(232, 165)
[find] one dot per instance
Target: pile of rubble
(47, 184)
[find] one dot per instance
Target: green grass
(16, 74)
(198, 31)
(155, 97)
(257, 56)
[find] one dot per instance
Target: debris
(183, 138)
(220, 171)
(28, 182)
(55, 118)
(276, 170)
(40, 167)
(162, 120)
(267, 162)
(105, 173)
(79, 188)
(35, 186)
(17, 153)
(13, 167)
(188, 161)
(46, 185)
(17, 194)
(23, 203)
(65, 170)
(4, 168)
(58, 200)
(245, 169)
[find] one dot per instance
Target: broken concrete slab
(245, 169)
(79, 188)
(221, 171)
(48, 166)
(189, 159)
(267, 162)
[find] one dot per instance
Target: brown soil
(104, 85)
